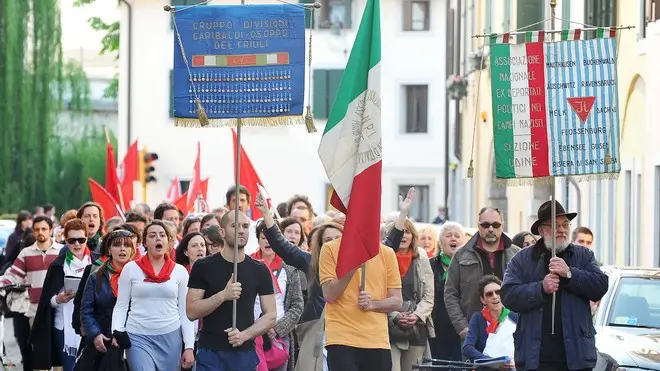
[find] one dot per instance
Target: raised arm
(393, 238)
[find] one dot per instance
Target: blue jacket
(96, 307)
(475, 341)
(522, 292)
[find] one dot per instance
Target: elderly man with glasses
(487, 252)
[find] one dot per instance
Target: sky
(81, 42)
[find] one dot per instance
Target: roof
(633, 271)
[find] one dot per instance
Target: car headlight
(626, 368)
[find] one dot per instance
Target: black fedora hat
(545, 213)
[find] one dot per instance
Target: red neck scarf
(404, 260)
(493, 322)
(188, 267)
(163, 276)
(114, 276)
(274, 267)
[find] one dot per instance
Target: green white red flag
(351, 147)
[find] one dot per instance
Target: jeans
(226, 360)
(345, 358)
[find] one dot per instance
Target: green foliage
(110, 43)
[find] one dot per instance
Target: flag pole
(553, 207)
(119, 191)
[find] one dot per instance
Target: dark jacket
(13, 244)
(475, 341)
(461, 288)
(444, 329)
(522, 292)
(46, 352)
(299, 259)
(96, 307)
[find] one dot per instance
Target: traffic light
(147, 170)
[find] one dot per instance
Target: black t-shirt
(211, 274)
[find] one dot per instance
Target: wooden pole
(553, 207)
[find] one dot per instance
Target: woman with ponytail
(153, 335)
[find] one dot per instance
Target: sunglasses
(121, 233)
(486, 225)
(490, 294)
(73, 241)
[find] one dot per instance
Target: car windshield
(637, 303)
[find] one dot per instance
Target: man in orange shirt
(357, 337)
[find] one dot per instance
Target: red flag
(102, 197)
(112, 183)
(128, 173)
(175, 190)
(248, 179)
(195, 188)
(182, 201)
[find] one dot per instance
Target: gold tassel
(309, 120)
(201, 113)
(608, 158)
(470, 171)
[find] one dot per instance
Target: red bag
(272, 358)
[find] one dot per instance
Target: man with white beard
(531, 278)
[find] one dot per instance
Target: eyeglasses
(490, 294)
(73, 241)
(486, 225)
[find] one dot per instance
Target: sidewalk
(13, 354)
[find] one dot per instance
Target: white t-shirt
(155, 308)
(279, 297)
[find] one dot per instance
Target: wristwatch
(569, 275)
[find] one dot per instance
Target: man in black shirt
(210, 295)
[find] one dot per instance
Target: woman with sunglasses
(488, 321)
(100, 292)
(53, 338)
(156, 327)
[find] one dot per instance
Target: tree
(30, 97)
(110, 43)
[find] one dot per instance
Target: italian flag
(520, 117)
(351, 148)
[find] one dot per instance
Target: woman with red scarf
(154, 289)
(288, 296)
(100, 293)
(486, 322)
(54, 341)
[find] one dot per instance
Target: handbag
(398, 333)
(275, 356)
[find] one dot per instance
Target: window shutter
(407, 15)
(529, 12)
(489, 16)
(320, 95)
(506, 25)
(171, 93)
(334, 79)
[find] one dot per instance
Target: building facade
(624, 214)
(413, 47)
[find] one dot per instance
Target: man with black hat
(531, 278)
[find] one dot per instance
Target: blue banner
(242, 61)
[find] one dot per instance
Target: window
(326, 84)
(627, 217)
(335, 14)
(416, 14)
(420, 210)
(417, 110)
(650, 13)
(489, 16)
(600, 13)
(635, 301)
(506, 21)
(638, 219)
(529, 12)
(566, 15)
(184, 185)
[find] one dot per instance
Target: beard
(42, 238)
(547, 241)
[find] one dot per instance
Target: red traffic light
(149, 157)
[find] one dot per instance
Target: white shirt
(155, 308)
(279, 297)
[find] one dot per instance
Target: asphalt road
(12, 357)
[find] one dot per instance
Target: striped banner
(570, 35)
(555, 108)
(500, 38)
(240, 60)
(535, 36)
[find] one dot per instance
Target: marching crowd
(156, 291)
